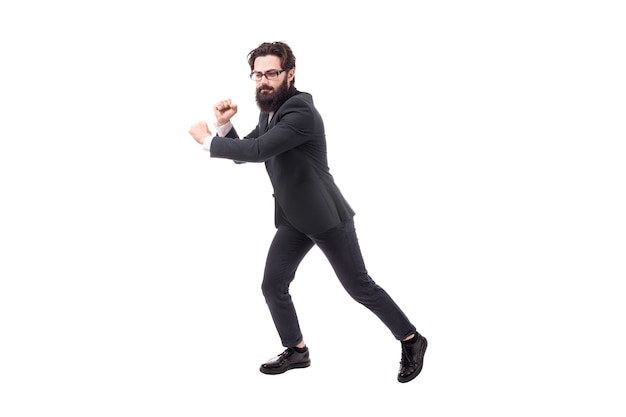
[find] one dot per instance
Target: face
(270, 94)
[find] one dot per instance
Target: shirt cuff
(207, 143)
(223, 129)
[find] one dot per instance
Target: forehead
(267, 62)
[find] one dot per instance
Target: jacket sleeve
(293, 127)
(252, 134)
(232, 134)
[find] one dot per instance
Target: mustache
(268, 88)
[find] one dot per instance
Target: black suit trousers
(341, 247)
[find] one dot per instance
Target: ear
(291, 74)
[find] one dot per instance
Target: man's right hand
(224, 110)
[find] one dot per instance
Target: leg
(285, 254)
(341, 247)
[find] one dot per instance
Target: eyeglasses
(270, 75)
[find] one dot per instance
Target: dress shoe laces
(283, 356)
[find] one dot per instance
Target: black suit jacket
(293, 147)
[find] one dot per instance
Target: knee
(270, 288)
(363, 290)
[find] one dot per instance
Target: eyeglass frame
(260, 75)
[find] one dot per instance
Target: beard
(269, 99)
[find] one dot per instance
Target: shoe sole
(416, 373)
(276, 371)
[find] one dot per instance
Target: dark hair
(279, 49)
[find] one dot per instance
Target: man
(309, 207)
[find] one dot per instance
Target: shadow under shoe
(412, 358)
(287, 360)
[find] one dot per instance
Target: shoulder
(304, 96)
(299, 99)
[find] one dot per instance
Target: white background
(481, 144)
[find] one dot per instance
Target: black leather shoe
(287, 360)
(412, 358)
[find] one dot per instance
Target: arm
(294, 126)
(227, 130)
(224, 111)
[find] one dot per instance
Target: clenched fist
(224, 110)
(200, 131)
